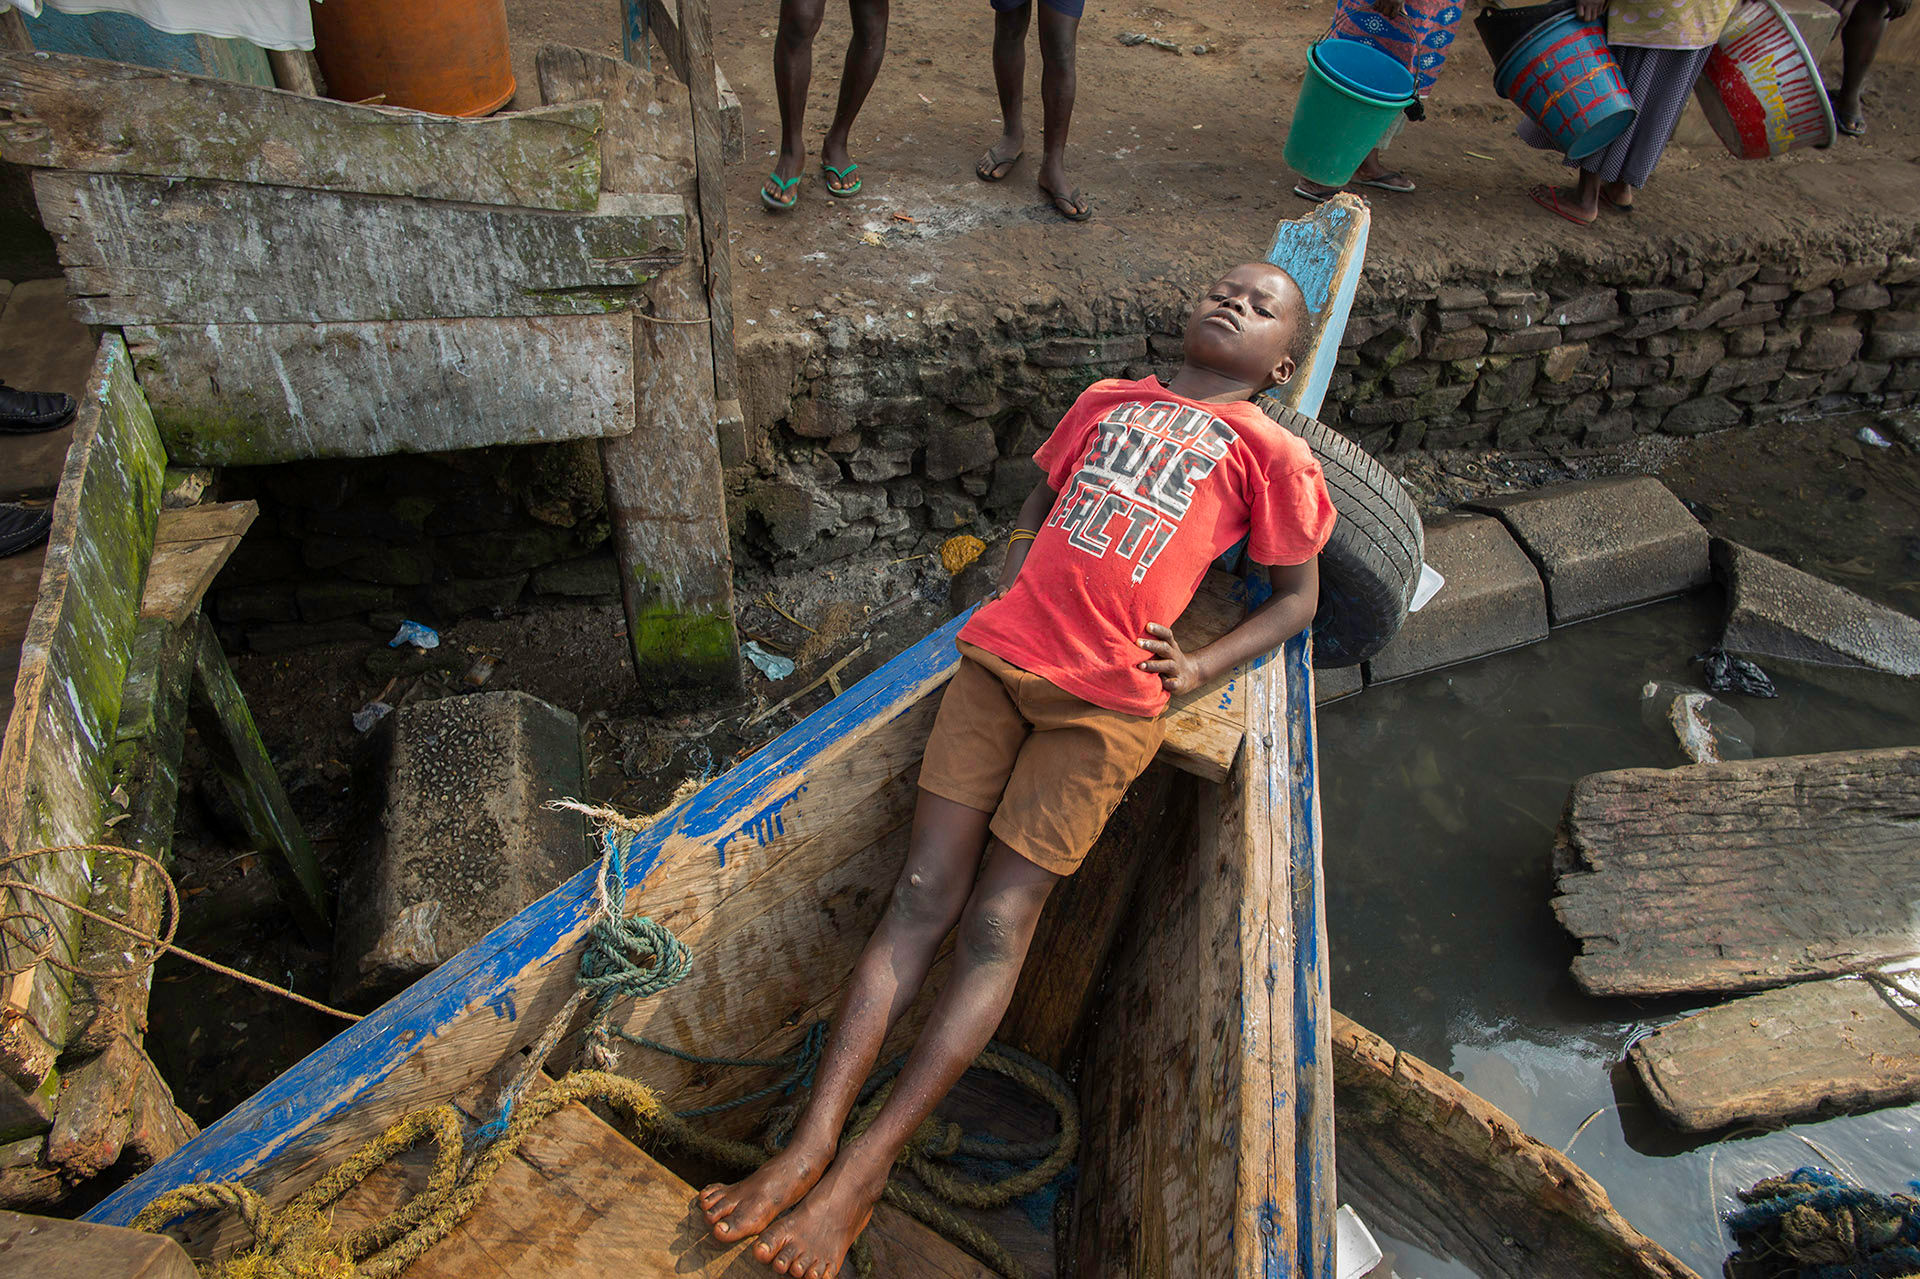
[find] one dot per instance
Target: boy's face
(1246, 324)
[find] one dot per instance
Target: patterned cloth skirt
(1417, 39)
(1660, 81)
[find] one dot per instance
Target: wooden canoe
(1181, 974)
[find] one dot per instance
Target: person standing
(793, 72)
(1059, 35)
(1662, 47)
(1415, 33)
(1862, 23)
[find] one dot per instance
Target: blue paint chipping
(288, 1114)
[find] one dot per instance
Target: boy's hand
(1178, 672)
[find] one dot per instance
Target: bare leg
(1059, 35)
(942, 857)
(995, 931)
(1860, 39)
(792, 73)
(864, 54)
(1010, 79)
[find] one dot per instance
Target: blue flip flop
(828, 173)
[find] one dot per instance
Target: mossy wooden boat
(1179, 979)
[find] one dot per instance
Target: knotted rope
(1813, 1225)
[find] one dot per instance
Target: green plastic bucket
(1334, 127)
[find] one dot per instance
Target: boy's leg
(792, 73)
(864, 54)
(1010, 80)
(943, 855)
(1059, 34)
(995, 931)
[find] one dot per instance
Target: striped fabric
(1417, 39)
(1660, 81)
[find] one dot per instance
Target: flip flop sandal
(785, 184)
(829, 175)
(1306, 192)
(1616, 206)
(1077, 210)
(1852, 125)
(1548, 198)
(1396, 182)
(992, 168)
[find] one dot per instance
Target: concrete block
(463, 839)
(1775, 610)
(1602, 545)
(1493, 600)
(1333, 684)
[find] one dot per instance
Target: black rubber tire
(1371, 564)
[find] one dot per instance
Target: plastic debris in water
(772, 665)
(367, 716)
(415, 634)
(1708, 730)
(1867, 435)
(959, 551)
(1726, 673)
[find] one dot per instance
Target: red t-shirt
(1152, 487)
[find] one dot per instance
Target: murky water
(1441, 796)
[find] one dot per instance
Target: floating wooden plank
(189, 547)
(1805, 1051)
(141, 250)
(50, 1246)
(664, 490)
(63, 112)
(220, 715)
(253, 394)
(578, 1200)
(1740, 876)
(54, 763)
(1465, 1181)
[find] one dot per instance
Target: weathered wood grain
(1740, 876)
(55, 759)
(225, 725)
(1204, 727)
(49, 1246)
(1812, 1049)
(189, 548)
(254, 394)
(664, 490)
(709, 150)
(1465, 1181)
(580, 1201)
(141, 250)
(733, 126)
(62, 112)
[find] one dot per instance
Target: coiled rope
(1812, 1225)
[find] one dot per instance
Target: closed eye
(1263, 311)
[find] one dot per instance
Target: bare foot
(811, 1242)
(747, 1206)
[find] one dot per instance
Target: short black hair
(1302, 317)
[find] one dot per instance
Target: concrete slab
(463, 839)
(1775, 610)
(1493, 600)
(1335, 683)
(1603, 545)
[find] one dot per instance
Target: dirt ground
(1181, 154)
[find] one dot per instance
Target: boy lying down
(1054, 711)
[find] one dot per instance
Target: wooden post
(663, 481)
(220, 715)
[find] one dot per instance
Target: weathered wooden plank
(63, 112)
(49, 1246)
(664, 490)
(455, 1025)
(141, 250)
(666, 29)
(225, 725)
(1204, 727)
(189, 547)
(709, 151)
(253, 394)
(1813, 1049)
(1740, 876)
(1465, 1181)
(54, 763)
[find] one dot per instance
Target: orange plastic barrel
(446, 56)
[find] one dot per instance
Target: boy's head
(1247, 326)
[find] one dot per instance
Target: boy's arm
(1296, 594)
(1032, 512)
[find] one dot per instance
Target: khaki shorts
(1050, 767)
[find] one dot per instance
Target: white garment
(271, 24)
